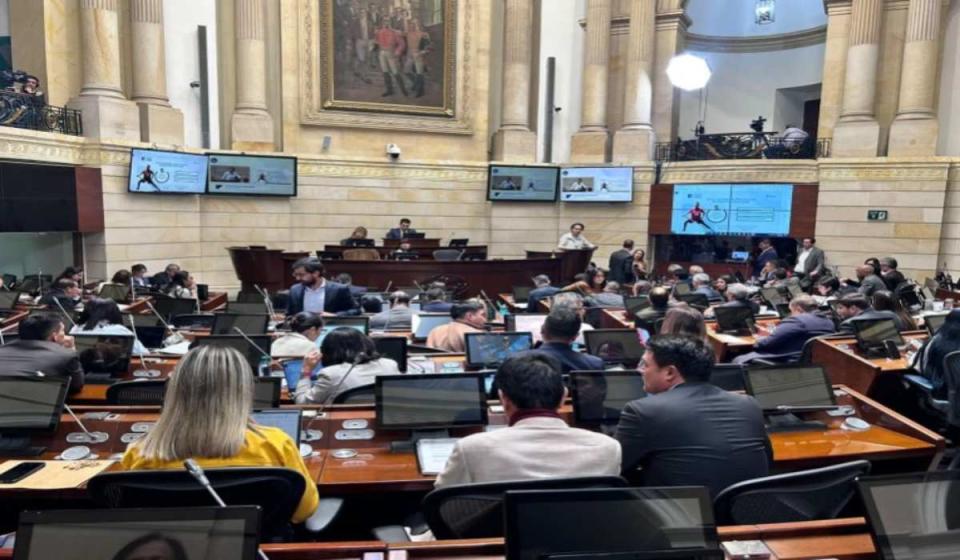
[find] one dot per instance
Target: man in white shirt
(810, 261)
(574, 239)
(537, 443)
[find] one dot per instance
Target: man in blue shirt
(314, 293)
(559, 330)
(543, 290)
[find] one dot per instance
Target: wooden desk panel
(423, 253)
(726, 347)
(847, 366)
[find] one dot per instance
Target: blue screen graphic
(723, 209)
(157, 171)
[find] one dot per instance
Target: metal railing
(742, 145)
(20, 110)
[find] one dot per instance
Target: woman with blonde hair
(686, 321)
(206, 417)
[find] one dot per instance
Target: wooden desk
(470, 252)
(424, 243)
(616, 319)
(848, 366)
(726, 346)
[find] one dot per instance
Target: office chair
(447, 254)
(132, 393)
(729, 377)
(361, 255)
(798, 496)
(356, 395)
(276, 490)
(472, 511)
(940, 410)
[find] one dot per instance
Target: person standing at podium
(401, 232)
(574, 240)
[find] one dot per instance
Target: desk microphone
(266, 300)
(144, 371)
(254, 344)
(389, 285)
(196, 472)
(67, 315)
(175, 336)
(87, 436)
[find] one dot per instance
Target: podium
(414, 243)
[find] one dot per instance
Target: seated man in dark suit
(560, 329)
(347, 280)
(788, 338)
(686, 431)
(162, 279)
(659, 303)
(401, 232)
(434, 301)
(43, 346)
(65, 291)
(890, 275)
(869, 282)
(738, 295)
(701, 285)
(855, 307)
(315, 294)
(542, 290)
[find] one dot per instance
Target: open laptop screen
(789, 386)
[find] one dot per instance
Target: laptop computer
(615, 346)
(599, 396)
(772, 296)
(489, 350)
(229, 323)
(393, 347)
(287, 419)
(528, 323)
(423, 323)
(521, 294)
(793, 386)
(878, 337)
(104, 354)
(734, 320)
(633, 304)
(934, 322)
(8, 302)
(119, 293)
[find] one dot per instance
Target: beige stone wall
(950, 232)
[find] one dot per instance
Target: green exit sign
(876, 215)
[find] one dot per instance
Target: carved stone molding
(886, 169)
(764, 43)
(740, 171)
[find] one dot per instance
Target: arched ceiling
(736, 18)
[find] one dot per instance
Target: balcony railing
(742, 145)
(20, 110)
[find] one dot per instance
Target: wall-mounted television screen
(517, 183)
(252, 175)
(724, 209)
(158, 171)
(596, 184)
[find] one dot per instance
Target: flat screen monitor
(772, 296)
(102, 353)
(599, 396)
(201, 533)
(634, 304)
(430, 401)
(596, 184)
(696, 300)
(910, 298)
(8, 300)
(230, 323)
(528, 323)
(615, 523)
(254, 352)
(159, 171)
(393, 347)
(169, 307)
(360, 323)
(151, 337)
(489, 350)
(735, 319)
(913, 516)
(266, 392)
(523, 184)
(521, 294)
(286, 419)
(731, 209)
(423, 323)
(31, 405)
(247, 307)
(119, 293)
(233, 174)
(614, 346)
(872, 333)
(327, 329)
(789, 386)
(934, 322)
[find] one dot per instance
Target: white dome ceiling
(736, 18)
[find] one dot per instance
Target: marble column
(515, 142)
(857, 133)
(671, 32)
(251, 124)
(159, 122)
(634, 141)
(591, 143)
(914, 130)
(107, 113)
(834, 65)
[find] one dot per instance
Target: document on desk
(728, 338)
(432, 454)
(56, 475)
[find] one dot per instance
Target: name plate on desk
(352, 435)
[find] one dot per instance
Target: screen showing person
(789, 386)
(255, 175)
(430, 400)
(875, 332)
(596, 184)
(491, 349)
(286, 419)
(614, 346)
(532, 184)
(228, 323)
(527, 323)
(595, 523)
(599, 396)
(157, 171)
(201, 533)
(104, 353)
(31, 404)
(731, 209)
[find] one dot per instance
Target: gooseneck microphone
(65, 314)
(174, 334)
(196, 472)
(250, 341)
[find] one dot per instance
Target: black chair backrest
(470, 511)
(131, 393)
(951, 370)
(276, 490)
(798, 496)
(356, 395)
(806, 353)
(729, 377)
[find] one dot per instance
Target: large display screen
(596, 184)
(529, 184)
(157, 171)
(254, 175)
(723, 209)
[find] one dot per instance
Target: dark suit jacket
(570, 359)
(647, 318)
(762, 258)
(337, 299)
(893, 279)
(815, 261)
(397, 233)
(793, 332)
(620, 262)
(538, 294)
(696, 434)
(26, 357)
(871, 284)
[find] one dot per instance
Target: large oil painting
(395, 56)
